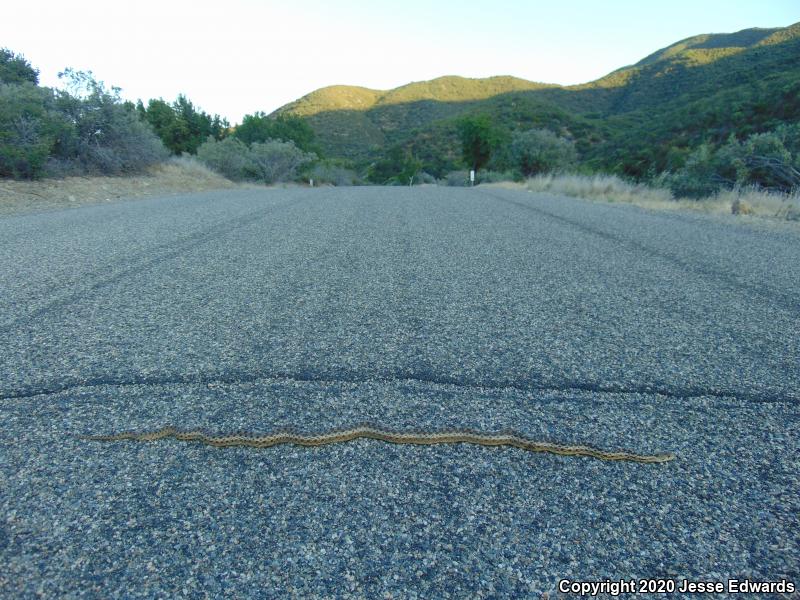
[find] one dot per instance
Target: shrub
(426, 178)
(28, 130)
(703, 174)
(273, 161)
(87, 129)
(769, 163)
(229, 157)
(541, 151)
(763, 160)
(269, 162)
(333, 174)
(457, 179)
(104, 136)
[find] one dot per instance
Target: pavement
(430, 307)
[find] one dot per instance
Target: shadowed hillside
(642, 118)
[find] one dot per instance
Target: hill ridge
(355, 97)
(641, 117)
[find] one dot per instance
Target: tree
(28, 130)
(479, 137)
(104, 134)
(180, 125)
(541, 151)
(14, 68)
(259, 127)
(398, 166)
(411, 168)
(254, 128)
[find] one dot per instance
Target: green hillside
(442, 89)
(639, 119)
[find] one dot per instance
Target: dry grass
(178, 175)
(608, 188)
(749, 201)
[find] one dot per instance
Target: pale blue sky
(240, 56)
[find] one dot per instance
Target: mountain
(639, 119)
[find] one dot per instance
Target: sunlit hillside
(640, 118)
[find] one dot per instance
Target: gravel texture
(417, 308)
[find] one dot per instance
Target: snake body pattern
(368, 430)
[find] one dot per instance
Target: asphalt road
(415, 308)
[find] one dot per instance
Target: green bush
(762, 161)
(770, 165)
(268, 162)
(229, 157)
(706, 172)
(86, 130)
(398, 167)
(105, 136)
(538, 151)
(479, 138)
(29, 127)
(273, 161)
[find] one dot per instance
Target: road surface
(426, 307)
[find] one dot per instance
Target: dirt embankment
(174, 177)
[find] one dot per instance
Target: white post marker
(310, 183)
(472, 176)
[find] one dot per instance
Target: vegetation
(181, 126)
(655, 195)
(442, 89)
(706, 115)
(87, 129)
(657, 116)
(273, 161)
(479, 139)
(769, 161)
(259, 127)
(541, 151)
(15, 69)
(266, 162)
(398, 167)
(229, 157)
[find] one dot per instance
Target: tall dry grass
(609, 188)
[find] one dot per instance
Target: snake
(507, 437)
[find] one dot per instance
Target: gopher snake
(367, 430)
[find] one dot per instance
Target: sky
(236, 57)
